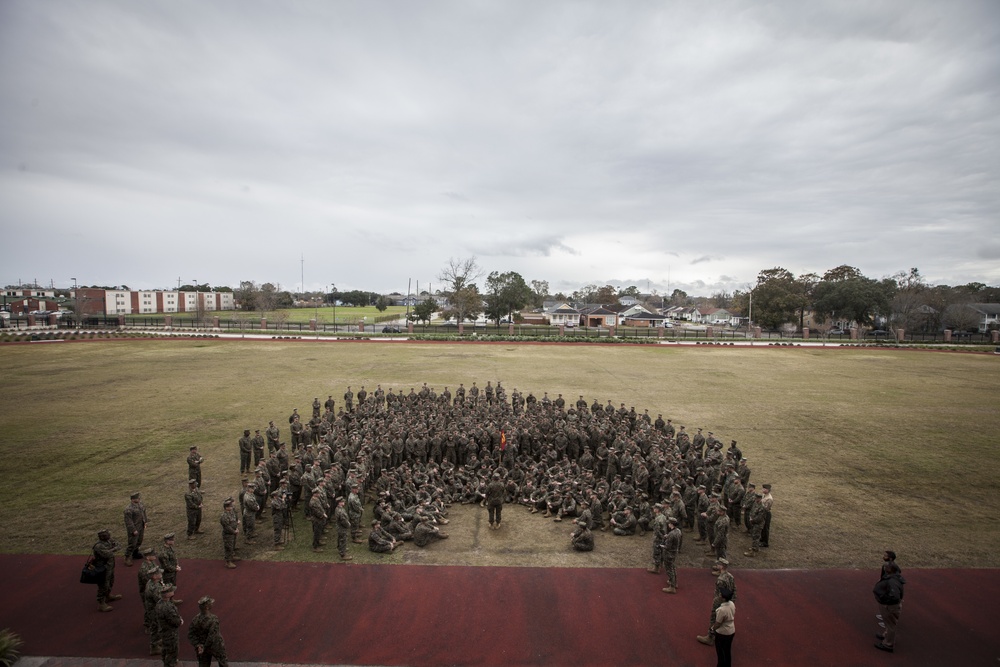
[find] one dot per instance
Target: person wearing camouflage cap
(170, 622)
(316, 514)
(669, 549)
(104, 557)
(194, 461)
(135, 527)
(205, 636)
(660, 530)
(150, 598)
(757, 517)
(723, 581)
(149, 564)
(168, 561)
(426, 532)
(193, 501)
(720, 538)
(582, 539)
(343, 529)
(230, 523)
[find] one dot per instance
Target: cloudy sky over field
(661, 144)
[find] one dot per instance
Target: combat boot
(750, 554)
(547, 514)
(669, 589)
(707, 640)
(128, 561)
(655, 569)
(491, 525)
(230, 565)
(116, 596)
(103, 606)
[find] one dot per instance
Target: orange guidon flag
(503, 440)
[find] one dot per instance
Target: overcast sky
(662, 144)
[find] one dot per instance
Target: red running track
(333, 613)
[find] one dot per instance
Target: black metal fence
(471, 331)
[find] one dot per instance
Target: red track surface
(427, 615)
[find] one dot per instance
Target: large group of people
(415, 454)
(412, 455)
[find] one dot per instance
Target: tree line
(845, 296)
(779, 298)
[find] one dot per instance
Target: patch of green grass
(867, 449)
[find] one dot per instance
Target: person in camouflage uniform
(425, 532)
(273, 437)
(701, 509)
(343, 529)
(669, 549)
(660, 529)
(135, 527)
(104, 557)
(316, 514)
(230, 529)
(278, 509)
(582, 538)
(170, 622)
(149, 564)
(246, 449)
(355, 508)
(720, 541)
(748, 500)
(250, 507)
(205, 636)
(757, 517)
(194, 461)
(168, 561)
(193, 500)
(380, 541)
(495, 498)
(150, 598)
(724, 580)
(257, 444)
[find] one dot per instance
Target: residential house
(989, 315)
(598, 316)
(563, 314)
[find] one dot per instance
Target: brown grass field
(867, 449)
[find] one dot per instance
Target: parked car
(836, 331)
(878, 333)
(390, 329)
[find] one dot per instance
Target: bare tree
(460, 276)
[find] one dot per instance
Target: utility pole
(408, 280)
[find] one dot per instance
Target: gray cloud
(567, 141)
